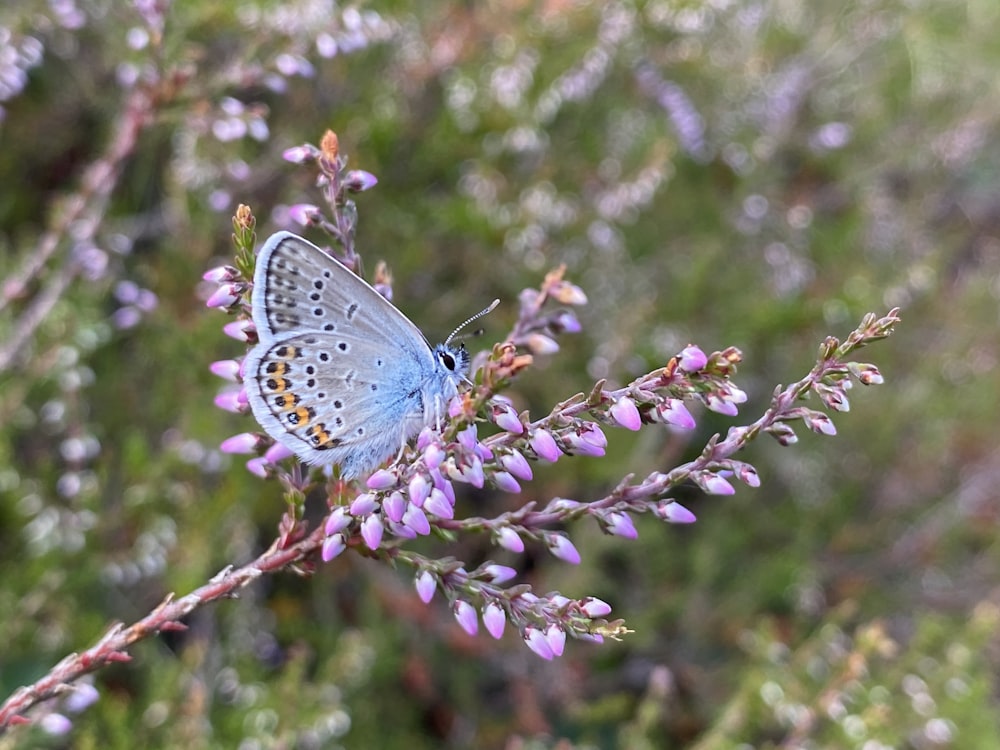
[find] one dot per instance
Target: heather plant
(665, 183)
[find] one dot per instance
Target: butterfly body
(339, 376)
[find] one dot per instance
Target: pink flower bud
(245, 442)
(258, 467)
(545, 446)
(300, 154)
(278, 452)
(230, 401)
(358, 180)
(495, 619)
(674, 412)
(438, 505)
(692, 359)
(382, 479)
(433, 456)
(226, 295)
(239, 329)
(566, 293)
(556, 637)
(820, 423)
(426, 586)
(509, 539)
(625, 413)
(221, 274)
(227, 369)
(363, 504)
(415, 518)
(506, 419)
(467, 438)
(516, 464)
(505, 482)
(539, 344)
(620, 524)
(337, 521)
(394, 506)
(332, 546)
(419, 489)
(466, 616)
(560, 546)
(499, 573)
(714, 484)
(594, 607)
(673, 512)
(371, 531)
(721, 405)
(304, 214)
(535, 640)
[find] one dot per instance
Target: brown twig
(113, 645)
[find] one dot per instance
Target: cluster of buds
(416, 493)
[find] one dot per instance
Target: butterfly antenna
(473, 319)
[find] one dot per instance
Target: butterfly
(340, 375)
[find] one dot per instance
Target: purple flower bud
(747, 474)
(505, 482)
(363, 504)
(535, 640)
(304, 214)
(674, 412)
(467, 438)
(499, 573)
(566, 322)
(82, 697)
(239, 329)
(692, 359)
(594, 607)
(560, 546)
(867, 374)
(419, 489)
(226, 295)
(332, 546)
(592, 637)
(509, 539)
(470, 473)
(259, 467)
(566, 293)
(506, 419)
(444, 485)
(625, 413)
(438, 505)
(721, 405)
(300, 154)
(382, 479)
(674, 512)
(358, 180)
(55, 724)
(403, 532)
(620, 524)
(515, 463)
(230, 400)
(426, 585)
(484, 452)
(544, 446)
(245, 442)
(227, 369)
(415, 518)
(556, 637)
(221, 274)
(820, 423)
(465, 614)
(394, 506)
(371, 531)
(538, 344)
(278, 452)
(585, 440)
(433, 456)
(337, 521)
(714, 484)
(495, 619)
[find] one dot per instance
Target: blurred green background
(756, 174)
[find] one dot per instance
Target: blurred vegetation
(726, 173)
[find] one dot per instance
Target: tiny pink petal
(674, 412)
(506, 419)
(505, 482)
(717, 485)
(415, 518)
(303, 214)
(426, 586)
(535, 640)
(419, 489)
(258, 466)
(499, 573)
(692, 359)
(560, 546)
(230, 400)
(438, 505)
(556, 638)
(382, 479)
(371, 531)
(495, 619)
(278, 452)
(221, 274)
(594, 607)
(516, 464)
(673, 512)
(245, 442)
(466, 616)
(625, 413)
(225, 296)
(545, 446)
(239, 329)
(332, 546)
(337, 521)
(363, 504)
(620, 524)
(394, 506)
(510, 540)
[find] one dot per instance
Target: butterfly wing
(340, 375)
(298, 287)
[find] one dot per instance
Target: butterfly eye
(448, 361)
